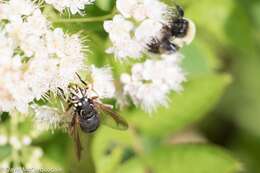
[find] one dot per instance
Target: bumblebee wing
(75, 134)
(110, 118)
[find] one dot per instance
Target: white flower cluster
(137, 24)
(75, 6)
(100, 84)
(130, 31)
(19, 142)
(151, 81)
(33, 58)
(49, 118)
(20, 145)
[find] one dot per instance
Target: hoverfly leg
(94, 97)
(77, 120)
(69, 106)
(107, 105)
(72, 125)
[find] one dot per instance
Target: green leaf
(210, 16)
(5, 151)
(185, 158)
(200, 95)
(239, 28)
(134, 165)
(256, 13)
(199, 58)
(108, 148)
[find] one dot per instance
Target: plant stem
(86, 164)
(138, 147)
(85, 20)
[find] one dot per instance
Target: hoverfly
(88, 112)
(176, 32)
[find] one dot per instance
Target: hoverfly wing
(74, 132)
(78, 145)
(110, 118)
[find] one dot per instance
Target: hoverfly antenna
(81, 80)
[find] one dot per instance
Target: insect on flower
(88, 112)
(174, 34)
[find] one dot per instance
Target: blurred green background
(213, 126)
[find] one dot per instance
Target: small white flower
(71, 61)
(125, 48)
(103, 82)
(38, 152)
(151, 81)
(55, 42)
(125, 7)
(6, 48)
(118, 27)
(141, 9)
(124, 45)
(16, 30)
(48, 118)
(37, 24)
(13, 91)
(3, 139)
(155, 9)
(26, 140)
(148, 96)
(146, 30)
(16, 8)
(75, 6)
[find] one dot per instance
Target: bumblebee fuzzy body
(161, 46)
(178, 25)
(173, 35)
(179, 28)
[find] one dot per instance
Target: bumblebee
(175, 33)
